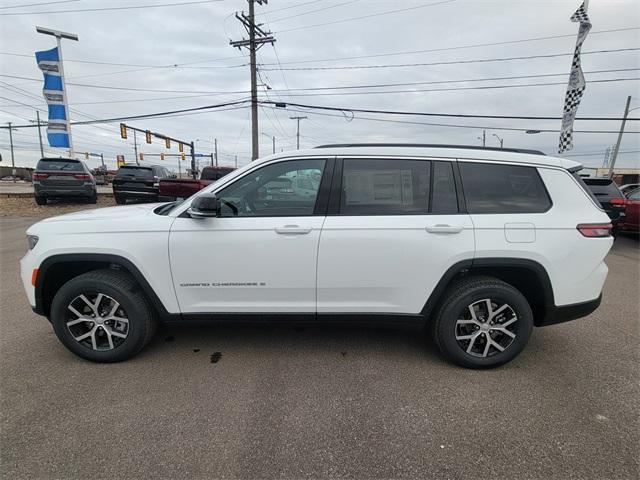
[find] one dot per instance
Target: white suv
(481, 245)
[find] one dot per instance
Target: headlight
(32, 240)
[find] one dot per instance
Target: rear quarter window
(495, 188)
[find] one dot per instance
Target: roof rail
(433, 145)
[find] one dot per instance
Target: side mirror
(204, 206)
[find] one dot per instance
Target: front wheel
(41, 200)
(483, 322)
(102, 316)
(120, 200)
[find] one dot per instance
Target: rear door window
(495, 188)
(443, 197)
(59, 165)
(385, 187)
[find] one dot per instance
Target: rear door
(393, 229)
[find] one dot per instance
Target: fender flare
(109, 259)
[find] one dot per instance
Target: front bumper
(27, 264)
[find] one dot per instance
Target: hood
(130, 218)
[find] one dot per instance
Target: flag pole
(64, 95)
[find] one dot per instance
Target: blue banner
(54, 94)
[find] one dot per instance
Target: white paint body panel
(386, 264)
(228, 255)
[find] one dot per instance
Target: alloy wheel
(486, 328)
(97, 321)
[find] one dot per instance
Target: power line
(431, 114)
(452, 62)
(475, 127)
(38, 4)
(309, 12)
(456, 89)
(133, 7)
(460, 47)
(387, 12)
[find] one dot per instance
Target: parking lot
(265, 402)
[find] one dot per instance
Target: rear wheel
(102, 316)
(93, 199)
(482, 323)
(41, 200)
(120, 200)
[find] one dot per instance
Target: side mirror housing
(204, 206)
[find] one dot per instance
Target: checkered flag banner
(576, 86)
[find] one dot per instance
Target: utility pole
(298, 134)
(236, 161)
(617, 147)
(104, 167)
(135, 147)
(215, 146)
(40, 134)
(194, 172)
(13, 162)
(483, 138)
(257, 38)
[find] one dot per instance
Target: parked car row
(620, 203)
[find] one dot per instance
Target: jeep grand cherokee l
(479, 245)
(63, 178)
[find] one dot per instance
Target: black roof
(432, 145)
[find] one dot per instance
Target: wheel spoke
(486, 346)
(495, 344)
(115, 333)
(86, 335)
(489, 308)
(94, 342)
(89, 304)
(75, 312)
(506, 324)
(96, 305)
(505, 331)
(109, 339)
(119, 319)
(114, 309)
(473, 314)
(496, 312)
(472, 342)
(465, 337)
(71, 323)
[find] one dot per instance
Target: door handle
(292, 230)
(443, 228)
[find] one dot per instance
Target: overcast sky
(148, 42)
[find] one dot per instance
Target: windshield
(59, 164)
(603, 187)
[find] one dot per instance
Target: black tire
(41, 199)
(122, 288)
(459, 299)
(93, 199)
(120, 200)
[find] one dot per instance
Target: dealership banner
(58, 122)
(577, 84)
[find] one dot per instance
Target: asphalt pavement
(260, 402)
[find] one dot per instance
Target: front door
(260, 254)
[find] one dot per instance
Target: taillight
(40, 176)
(81, 176)
(618, 202)
(595, 230)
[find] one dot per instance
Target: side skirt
(384, 320)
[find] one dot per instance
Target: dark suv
(63, 177)
(610, 197)
(136, 182)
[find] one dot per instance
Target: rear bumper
(133, 193)
(65, 191)
(566, 313)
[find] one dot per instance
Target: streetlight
(501, 140)
(273, 139)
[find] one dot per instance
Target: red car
(175, 188)
(632, 210)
